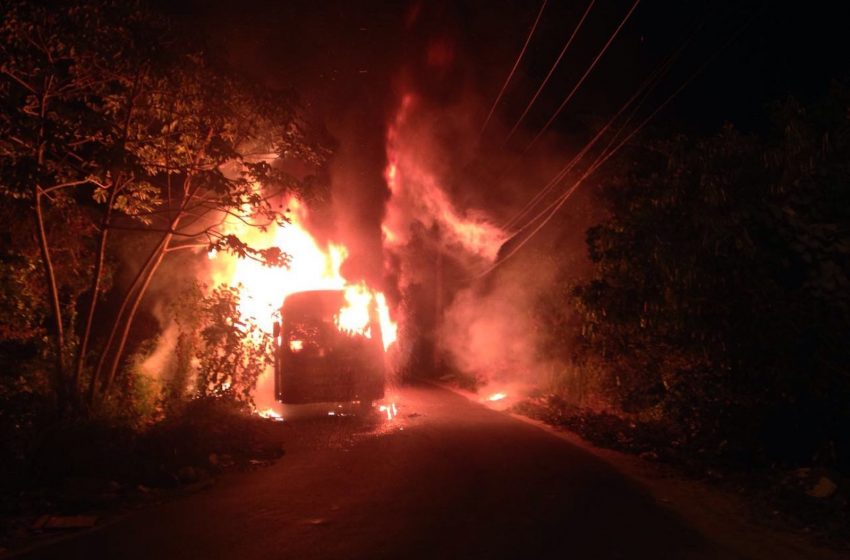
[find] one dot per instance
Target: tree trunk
(137, 289)
(95, 292)
(55, 306)
(140, 294)
(101, 255)
(96, 374)
(47, 263)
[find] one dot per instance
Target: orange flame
(389, 328)
(354, 317)
(312, 268)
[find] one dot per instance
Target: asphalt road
(445, 479)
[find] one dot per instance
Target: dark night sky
(345, 56)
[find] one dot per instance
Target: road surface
(446, 479)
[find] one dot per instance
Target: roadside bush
(721, 288)
(232, 350)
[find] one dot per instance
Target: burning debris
(271, 414)
(389, 409)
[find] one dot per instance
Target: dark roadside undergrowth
(73, 475)
(809, 500)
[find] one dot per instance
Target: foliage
(137, 403)
(22, 309)
(113, 113)
(721, 292)
(179, 372)
(23, 303)
(233, 350)
(208, 351)
(55, 457)
(216, 352)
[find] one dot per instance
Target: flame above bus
(312, 267)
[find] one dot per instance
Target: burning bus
(328, 347)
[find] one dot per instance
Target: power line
(511, 166)
(556, 205)
(593, 166)
(644, 88)
(584, 76)
(551, 70)
(513, 70)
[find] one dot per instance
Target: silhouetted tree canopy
(721, 286)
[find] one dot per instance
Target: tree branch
(69, 184)
(21, 82)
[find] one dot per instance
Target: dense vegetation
(719, 301)
(122, 142)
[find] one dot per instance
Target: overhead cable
(513, 70)
(551, 70)
(583, 77)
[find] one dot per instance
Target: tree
(721, 289)
(217, 352)
(232, 352)
(110, 108)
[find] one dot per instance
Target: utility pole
(438, 302)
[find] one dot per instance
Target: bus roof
(322, 303)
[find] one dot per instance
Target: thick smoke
(452, 190)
